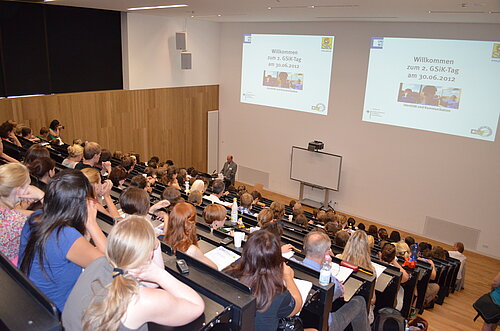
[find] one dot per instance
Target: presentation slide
(444, 86)
(287, 71)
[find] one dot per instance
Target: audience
(108, 296)
(54, 243)
(261, 268)
(7, 133)
(54, 248)
(181, 232)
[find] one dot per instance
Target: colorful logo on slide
(484, 131)
(247, 39)
(319, 108)
(377, 43)
(326, 43)
(496, 51)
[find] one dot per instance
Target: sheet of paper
(288, 255)
(304, 287)
(340, 272)
(222, 257)
(379, 269)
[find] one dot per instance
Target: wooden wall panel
(170, 122)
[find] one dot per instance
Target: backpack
(389, 319)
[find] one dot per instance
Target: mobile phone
(182, 266)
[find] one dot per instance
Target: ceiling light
(157, 7)
(219, 15)
(269, 8)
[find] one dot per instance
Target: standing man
(229, 170)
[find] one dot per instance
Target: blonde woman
(101, 192)
(108, 295)
(357, 250)
(14, 187)
(75, 155)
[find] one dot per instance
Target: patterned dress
(11, 224)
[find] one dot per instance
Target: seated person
(332, 228)
(27, 134)
(245, 206)
(218, 188)
(181, 232)
(199, 185)
(341, 238)
(141, 182)
(172, 194)
(265, 216)
(104, 162)
(458, 253)
(316, 245)
(91, 156)
(108, 296)
(256, 198)
(42, 169)
(215, 216)
(101, 192)
(261, 268)
(357, 250)
(128, 163)
(170, 177)
(395, 237)
(117, 176)
(55, 239)
(34, 152)
(278, 210)
(7, 133)
(195, 198)
(134, 201)
(75, 155)
(301, 220)
(276, 229)
(388, 255)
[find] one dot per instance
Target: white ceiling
(482, 11)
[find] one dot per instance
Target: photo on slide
(282, 79)
(430, 95)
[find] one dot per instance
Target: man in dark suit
(229, 170)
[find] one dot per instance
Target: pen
(366, 272)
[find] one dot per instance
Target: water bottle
(326, 270)
(234, 212)
(186, 183)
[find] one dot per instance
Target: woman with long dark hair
(261, 268)
(54, 248)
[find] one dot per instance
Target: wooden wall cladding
(170, 123)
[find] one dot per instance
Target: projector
(315, 146)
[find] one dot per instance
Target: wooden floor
(456, 313)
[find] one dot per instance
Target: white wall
(150, 57)
(392, 175)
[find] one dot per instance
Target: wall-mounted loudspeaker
(185, 60)
(180, 40)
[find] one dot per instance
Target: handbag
(293, 323)
(487, 309)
